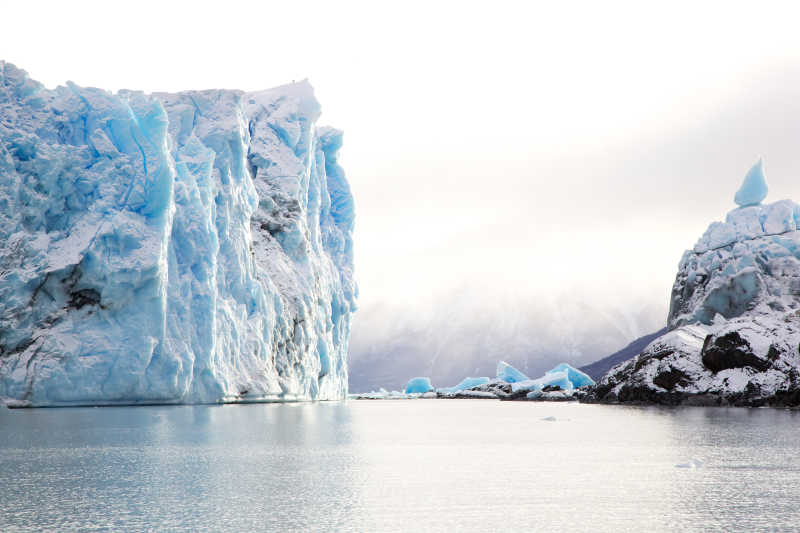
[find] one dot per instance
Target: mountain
(597, 369)
(168, 248)
(734, 321)
(466, 332)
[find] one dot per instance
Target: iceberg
(418, 385)
(575, 376)
(754, 188)
(509, 374)
(466, 383)
(558, 379)
(171, 248)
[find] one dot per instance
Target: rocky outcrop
(734, 320)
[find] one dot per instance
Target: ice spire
(754, 187)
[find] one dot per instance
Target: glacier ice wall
(191, 247)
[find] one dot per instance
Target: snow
(734, 319)
(466, 383)
(171, 248)
(383, 394)
(418, 385)
(754, 188)
(509, 374)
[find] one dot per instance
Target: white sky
(542, 145)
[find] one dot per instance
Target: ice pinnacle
(754, 188)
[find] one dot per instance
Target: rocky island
(733, 328)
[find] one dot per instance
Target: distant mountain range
(597, 369)
(464, 335)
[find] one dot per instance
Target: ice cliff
(191, 247)
(734, 322)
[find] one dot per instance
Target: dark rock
(646, 358)
(83, 297)
(645, 395)
(516, 395)
(730, 351)
(670, 378)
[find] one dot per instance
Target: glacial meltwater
(416, 465)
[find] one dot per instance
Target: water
(424, 465)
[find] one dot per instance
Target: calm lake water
(424, 465)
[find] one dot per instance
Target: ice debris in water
(576, 377)
(509, 374)
(419, 385)
(466, 383)
(694, 463)
(563, 376)
(754, 187)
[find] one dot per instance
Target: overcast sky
(553, 148)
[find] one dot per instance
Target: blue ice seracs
(171, 248)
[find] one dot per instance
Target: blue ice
(575, 376)
(466, 383)
(754, 188)
(419, 385)
(509, 374)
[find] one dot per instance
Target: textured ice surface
(191, 247)
(419, 385)
(553, 378)
(509, 374)
(754, 188)
(575, 376)
(466, 383)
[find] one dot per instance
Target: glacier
(734, 319)
(171, 248)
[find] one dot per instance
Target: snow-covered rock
(734, 320)
(191, 247)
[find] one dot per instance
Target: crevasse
(171, 248)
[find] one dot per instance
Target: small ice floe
(694, 463)
(549, 419)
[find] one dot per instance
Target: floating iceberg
(551, 379)
(575, 376)
(466, 383)
(166, 248)
(754, 188)
(509, 374)
(419, 385)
